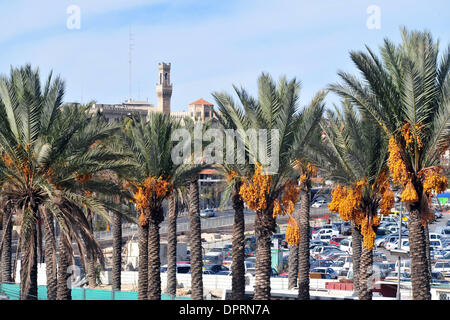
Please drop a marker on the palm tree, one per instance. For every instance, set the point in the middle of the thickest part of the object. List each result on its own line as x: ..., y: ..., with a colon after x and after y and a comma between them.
x: 192, y: 178
x: 277, y: 111
x: 45, y: 150
x: 362, y: 176
x: 172, y: 245
x: 6, y: 241
x: 407, y: 93
x: 195, y: 241
x: 151, y: 180
x: 233, y: 173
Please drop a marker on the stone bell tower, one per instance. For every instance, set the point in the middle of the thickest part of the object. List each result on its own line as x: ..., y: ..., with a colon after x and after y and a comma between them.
x: 164, y: 88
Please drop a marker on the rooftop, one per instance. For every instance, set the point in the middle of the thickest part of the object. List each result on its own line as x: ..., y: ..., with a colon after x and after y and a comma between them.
x: 202, y: 102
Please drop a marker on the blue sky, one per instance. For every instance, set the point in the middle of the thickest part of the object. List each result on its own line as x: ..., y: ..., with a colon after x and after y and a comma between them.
x: 211, y: 44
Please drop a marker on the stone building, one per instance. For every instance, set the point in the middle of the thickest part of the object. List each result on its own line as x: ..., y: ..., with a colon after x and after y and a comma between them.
x: 200, y: 110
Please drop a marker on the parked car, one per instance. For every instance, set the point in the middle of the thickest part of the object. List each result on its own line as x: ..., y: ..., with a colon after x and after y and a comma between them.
x: 405, y: 266
x: 325, y: 231
x: 438, y: 278
x: 445, y: 232
x: 331, y: 253
x: 325, y: 238
x: 319, y: 204
x: 321, y: 263
x: 346, y: 245
x: 395, y: 245
x: 342, y: 263
x: 213, y: 258
x: 442, y: 266
x: 393, y: 276
x: 181, y: 268
x: 329, y: 272
x: 346, y: 228
x: 248, y: 252
x: 336, y: 240
x: 227, y: 263
x: 448, y: 223
x: 379, y: 241
x: 214, y: 268
x: 317, y: 251
x: 207, y: 213
x: 435, y: 236
x: 390, y: 239
x: 436, y: 245
x: 382, y: 269
x: 379, y: 256
x: 441, y: 254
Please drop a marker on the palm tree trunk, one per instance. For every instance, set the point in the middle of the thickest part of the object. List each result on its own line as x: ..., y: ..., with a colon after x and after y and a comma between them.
x: 91, y: 267
x: 64, y: 291
x: 154, y: 260
x: 356, y: 256
x: 117, y: 252
x: 28, y: 269
x: 172, y: 247
x: 293, y: 267
x: 143, y: 263
x: 6, y: 247
x: 264, y: 228
x: 303, y: 249
x: 419, y: 266
x: 427, y: 243
x: 238, y: 257
x: 195, y: 242
x: 365, y: 274
x: 50, y: 257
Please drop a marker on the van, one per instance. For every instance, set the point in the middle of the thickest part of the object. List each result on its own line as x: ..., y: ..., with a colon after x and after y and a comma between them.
x: 436, y: 244
x: 435, y: 236
x: 405, y: 266
x: 213, y: 258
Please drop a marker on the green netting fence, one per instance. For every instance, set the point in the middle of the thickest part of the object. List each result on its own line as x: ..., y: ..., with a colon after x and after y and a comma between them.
x: 12, y: 291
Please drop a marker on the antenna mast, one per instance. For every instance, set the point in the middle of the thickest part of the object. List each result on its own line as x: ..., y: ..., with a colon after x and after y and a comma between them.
x: 131, y: 47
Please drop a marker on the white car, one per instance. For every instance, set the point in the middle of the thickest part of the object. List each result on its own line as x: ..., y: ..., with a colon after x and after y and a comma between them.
x: 346, y: 245
x: 442, y: 267
x: 342, y: 263
x: 207, y: 213
x: 317, y: 251
x: 436, y: 244
x: 394, y: 245
x: 405, y: 266
x: 319, y: 204
x: 435, y: 236
x: 330, y: 232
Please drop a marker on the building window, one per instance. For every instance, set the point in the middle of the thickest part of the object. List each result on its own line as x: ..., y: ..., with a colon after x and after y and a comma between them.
x: 199, y: 115
x: 206, y: 114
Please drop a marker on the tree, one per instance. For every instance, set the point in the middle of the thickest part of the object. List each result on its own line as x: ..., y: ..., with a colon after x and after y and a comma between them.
x: 6, y: 241
x: 227, y: 110
x: 362, y: 181
x: 276, y: 111
x: 407, y: 93
x: 46, y: 149
x: 151, y: 180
